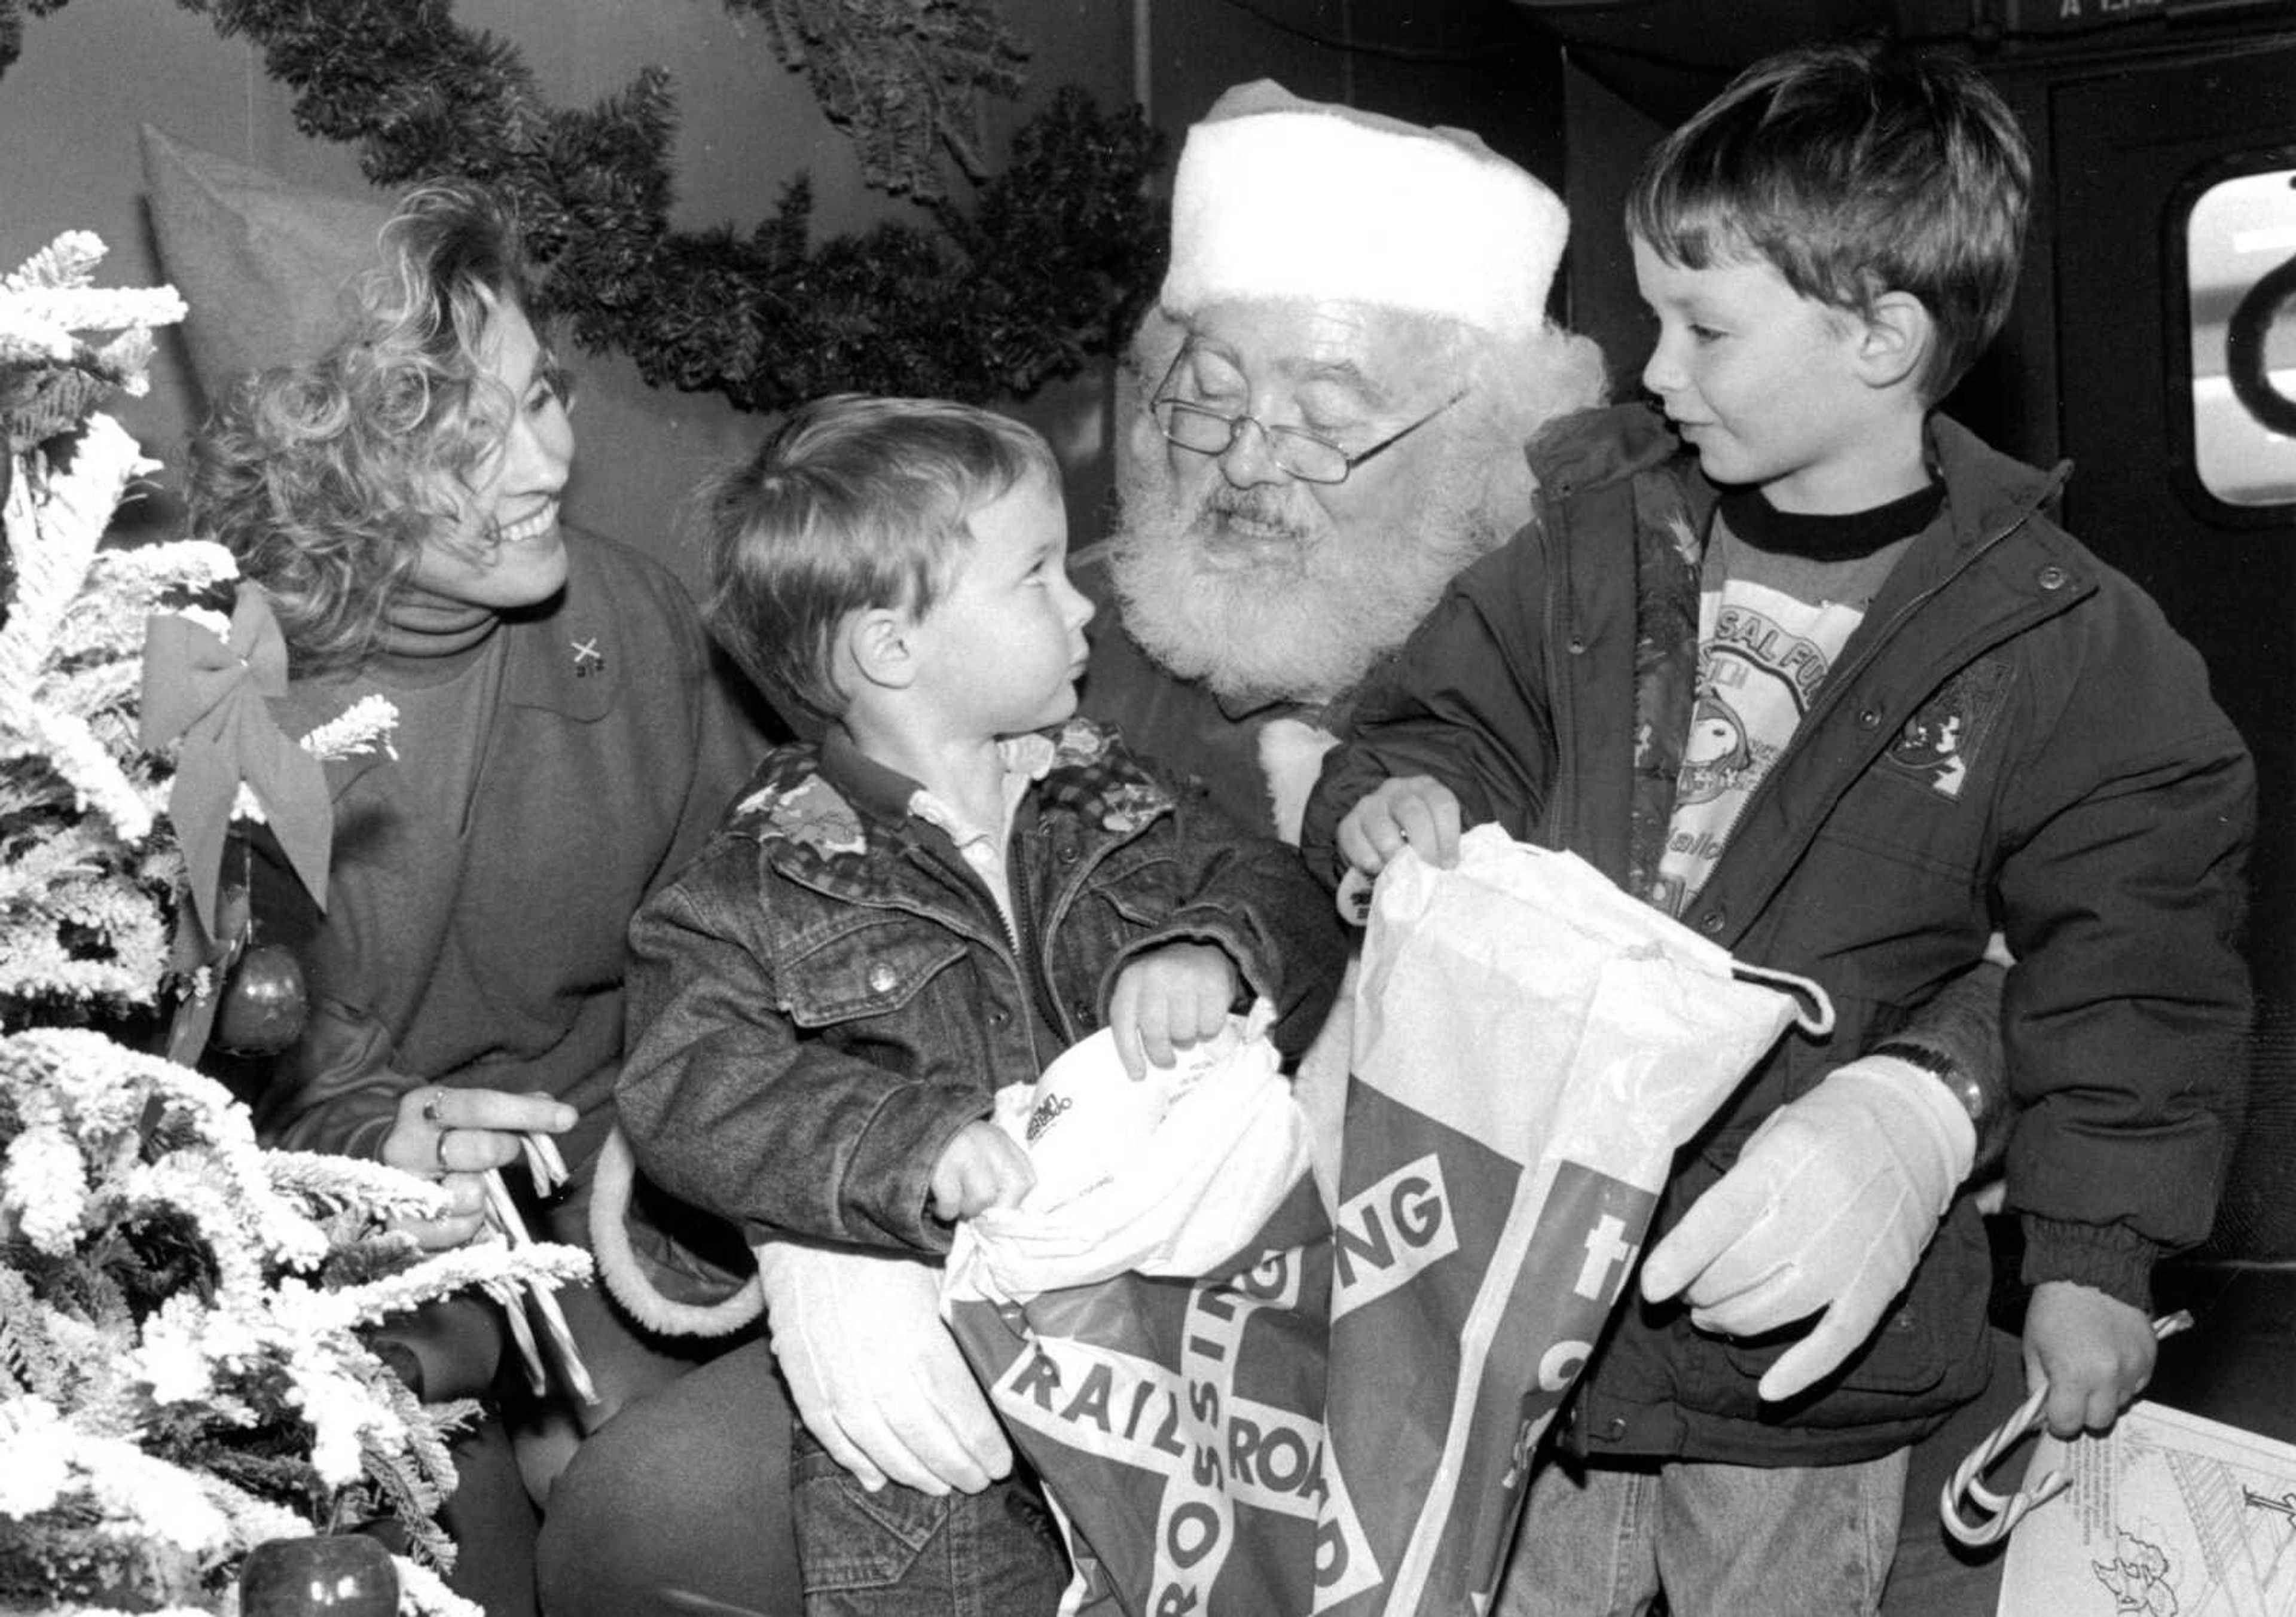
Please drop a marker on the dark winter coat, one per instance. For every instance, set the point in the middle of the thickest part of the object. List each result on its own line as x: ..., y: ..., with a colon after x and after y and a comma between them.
x: 2013, y: 739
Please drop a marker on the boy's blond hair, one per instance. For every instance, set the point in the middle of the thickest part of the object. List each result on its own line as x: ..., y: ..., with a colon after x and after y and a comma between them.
x: 1854, y: 170
x: 852, y: 503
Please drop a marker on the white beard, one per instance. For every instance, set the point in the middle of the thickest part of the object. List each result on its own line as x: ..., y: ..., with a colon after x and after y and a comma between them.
x: 1303, y: 622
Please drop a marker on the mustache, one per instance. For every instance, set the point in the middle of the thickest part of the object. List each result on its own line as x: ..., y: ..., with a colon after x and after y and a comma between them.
x: 1260, y: 506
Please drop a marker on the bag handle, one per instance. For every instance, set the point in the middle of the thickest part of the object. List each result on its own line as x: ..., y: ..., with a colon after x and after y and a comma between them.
x: 1817, y: 1017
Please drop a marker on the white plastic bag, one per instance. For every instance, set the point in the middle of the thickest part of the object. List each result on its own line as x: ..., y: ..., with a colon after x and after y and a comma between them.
x: 1167, y: 1174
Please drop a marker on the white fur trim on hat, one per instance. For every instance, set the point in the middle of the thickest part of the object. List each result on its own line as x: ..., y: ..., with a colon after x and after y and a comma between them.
x: 1277, y: 197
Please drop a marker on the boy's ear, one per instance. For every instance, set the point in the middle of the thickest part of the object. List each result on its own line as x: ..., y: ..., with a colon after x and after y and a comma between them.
x: 1894, y: 340
x: 878, y: 645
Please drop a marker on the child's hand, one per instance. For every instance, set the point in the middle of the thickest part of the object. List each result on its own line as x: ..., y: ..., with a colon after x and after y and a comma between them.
x: 981, y: 1167
x: 2096, y: 1351
x: 1417, y: 809
x: 1168, y: 1000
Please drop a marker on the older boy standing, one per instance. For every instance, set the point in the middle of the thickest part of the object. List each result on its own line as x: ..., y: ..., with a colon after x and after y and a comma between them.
x: 1823, y: 680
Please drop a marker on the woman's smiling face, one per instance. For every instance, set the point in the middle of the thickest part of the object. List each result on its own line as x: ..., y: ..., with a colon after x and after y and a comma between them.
x: 507, y: 552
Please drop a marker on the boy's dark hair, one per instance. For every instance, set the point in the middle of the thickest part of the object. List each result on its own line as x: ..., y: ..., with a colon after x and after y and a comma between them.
x: 851, y: 503
x: 1854, y: 170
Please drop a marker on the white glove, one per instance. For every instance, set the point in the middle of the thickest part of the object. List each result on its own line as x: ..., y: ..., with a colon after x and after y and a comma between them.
x: 876, y: 1374
x: 1829, y: 1207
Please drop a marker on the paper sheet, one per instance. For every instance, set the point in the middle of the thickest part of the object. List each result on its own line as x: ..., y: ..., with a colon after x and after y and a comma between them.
x: 2168, y: 1516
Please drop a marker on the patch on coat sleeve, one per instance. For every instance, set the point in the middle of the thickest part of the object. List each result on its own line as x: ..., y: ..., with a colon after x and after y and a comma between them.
x: 810, y: 814
x: 1943, y: 741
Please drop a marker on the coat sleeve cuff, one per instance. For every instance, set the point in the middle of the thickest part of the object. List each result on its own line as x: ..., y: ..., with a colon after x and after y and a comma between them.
x: 2114, y: 1261
x: 886, y: 1191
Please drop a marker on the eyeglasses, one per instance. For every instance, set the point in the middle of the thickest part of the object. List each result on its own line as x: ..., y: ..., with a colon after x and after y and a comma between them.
x: 1300, y: 455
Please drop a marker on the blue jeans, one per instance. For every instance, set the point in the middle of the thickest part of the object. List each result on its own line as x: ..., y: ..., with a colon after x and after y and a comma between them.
x: 1717, y: 1541
x: 902, y: 1553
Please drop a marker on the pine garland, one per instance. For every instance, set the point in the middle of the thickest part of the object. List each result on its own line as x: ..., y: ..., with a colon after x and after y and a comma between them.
x: 1053, y: 263
x: 903, y: 77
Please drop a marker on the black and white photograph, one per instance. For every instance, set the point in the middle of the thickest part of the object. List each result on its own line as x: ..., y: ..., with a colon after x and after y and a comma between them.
x: 1148, y: 808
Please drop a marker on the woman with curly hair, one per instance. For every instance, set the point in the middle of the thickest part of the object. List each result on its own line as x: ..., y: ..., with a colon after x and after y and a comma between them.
x: 562, y: 745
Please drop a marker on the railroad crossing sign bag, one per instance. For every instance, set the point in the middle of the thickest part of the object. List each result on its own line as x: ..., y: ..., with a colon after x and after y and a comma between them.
x: 1335, y: 1414
x: 1532, y: 1048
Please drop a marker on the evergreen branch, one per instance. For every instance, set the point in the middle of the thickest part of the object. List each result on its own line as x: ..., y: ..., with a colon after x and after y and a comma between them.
x: 1052, y: 263
x: 902, y: 78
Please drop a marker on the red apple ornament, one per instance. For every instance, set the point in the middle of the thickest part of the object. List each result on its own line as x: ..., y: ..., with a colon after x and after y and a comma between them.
x: 332, y: 1575
x: 264, y: 1003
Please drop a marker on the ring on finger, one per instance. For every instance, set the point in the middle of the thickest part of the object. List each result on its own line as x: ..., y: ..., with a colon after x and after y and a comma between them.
x: 439, y: 1149
x: 432, y: 1103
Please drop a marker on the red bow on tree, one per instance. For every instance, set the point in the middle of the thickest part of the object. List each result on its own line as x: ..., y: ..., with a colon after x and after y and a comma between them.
x: 212, y: 694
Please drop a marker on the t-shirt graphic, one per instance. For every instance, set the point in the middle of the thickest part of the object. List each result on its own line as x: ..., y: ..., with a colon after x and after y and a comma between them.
x: 1762, y: 655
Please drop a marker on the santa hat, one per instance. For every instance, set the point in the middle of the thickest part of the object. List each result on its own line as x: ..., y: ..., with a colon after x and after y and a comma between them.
x: 1278, y: 197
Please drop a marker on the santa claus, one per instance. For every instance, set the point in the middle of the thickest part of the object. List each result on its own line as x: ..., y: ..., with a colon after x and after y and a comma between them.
x: 1327, y: 416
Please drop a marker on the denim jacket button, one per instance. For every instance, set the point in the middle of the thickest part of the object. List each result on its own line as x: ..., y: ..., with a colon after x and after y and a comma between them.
x: 882, y: 978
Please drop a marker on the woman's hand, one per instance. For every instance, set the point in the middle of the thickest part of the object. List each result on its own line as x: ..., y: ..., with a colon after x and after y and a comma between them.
x: 455, y: 1136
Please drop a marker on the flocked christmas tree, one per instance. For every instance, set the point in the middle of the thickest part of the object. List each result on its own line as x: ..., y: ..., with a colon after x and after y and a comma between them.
x: 182, y: 1372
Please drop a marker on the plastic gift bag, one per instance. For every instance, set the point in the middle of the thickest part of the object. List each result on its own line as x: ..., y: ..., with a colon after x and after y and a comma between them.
x: 1532, y: 1048
x: 1165, y: 1174
x: 1334, y: 1413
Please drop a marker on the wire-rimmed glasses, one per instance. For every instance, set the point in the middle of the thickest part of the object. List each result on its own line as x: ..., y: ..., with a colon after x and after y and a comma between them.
x: 1297, y: 452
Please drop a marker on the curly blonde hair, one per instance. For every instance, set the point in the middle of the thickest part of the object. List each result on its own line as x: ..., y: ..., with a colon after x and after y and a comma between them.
x: 326, y: 478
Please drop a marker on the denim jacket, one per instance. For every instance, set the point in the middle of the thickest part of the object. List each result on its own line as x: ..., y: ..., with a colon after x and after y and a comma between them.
x: 828, y: 993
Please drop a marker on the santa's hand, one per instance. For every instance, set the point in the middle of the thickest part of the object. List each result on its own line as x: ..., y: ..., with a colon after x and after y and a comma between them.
x: 876, y: 1374
x: 1830, y: 1205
